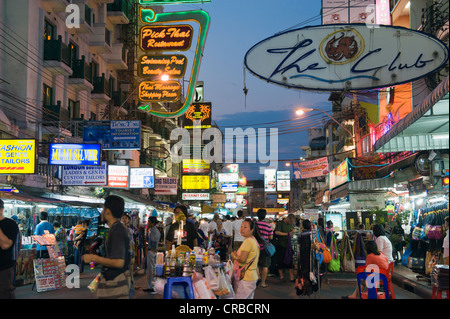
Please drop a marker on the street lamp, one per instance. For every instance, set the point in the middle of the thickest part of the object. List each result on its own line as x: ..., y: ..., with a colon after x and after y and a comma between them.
x: 302, y: 111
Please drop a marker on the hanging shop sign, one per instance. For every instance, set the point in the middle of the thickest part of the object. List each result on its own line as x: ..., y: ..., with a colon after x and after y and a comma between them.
x: 229, y: 187
x: 195, y: 196
x: 339, y: 175
x: 166, y: 2
x: 196, y: 166
x: 198, y: 115
x: 142, y: 177
x: 113, y: 135
x: 159, y: 91
x: 74, y: 154
x: 156, y: 65
x: 270, y: 180
x: 118, y: 176
x: 166, y: 185
x: 346, y: 57
x: 242, y: 190
x: 195, y: 182
x: 283, y: 181
x: 367, y: 201
x: 166, y: 38
x: 17, y: 156
x: 218, y: 198
x: 84, y: 175
x: 309, y: 169
x: 228, y: 177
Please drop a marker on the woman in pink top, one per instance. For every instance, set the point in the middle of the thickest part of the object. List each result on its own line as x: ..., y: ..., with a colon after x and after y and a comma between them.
x: 374, y: 257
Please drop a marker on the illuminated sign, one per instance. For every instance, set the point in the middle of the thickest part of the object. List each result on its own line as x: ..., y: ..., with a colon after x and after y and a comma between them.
x: 196, y: 182
x: 234, y: 168
x: 308, y: 169
x: 118, y: 176
x: 339, y: 175
x: 242, y: 190
x: 203, y: 20
x: 198, y: 116
x: 346, y: 57
x: 74, y: 154
x: 166, y: 38
x: 229, y: 187
x: 165, y: 2
x: 159, y: 91
x: 283, y: 181
x: 196, y: 166
x: 17, y: 156
x: 195, y: 196
x: 142, y: 177
x: 270, y: 180
x: 228, y: 177
x: 156, y: 65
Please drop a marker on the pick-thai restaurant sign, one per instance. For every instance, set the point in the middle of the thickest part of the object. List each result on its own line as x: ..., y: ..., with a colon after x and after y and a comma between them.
x: 84, y: 175
x: 166, y: 38
x: 118, y: 176
x: 346, y: 57
x: 17, y: 156
x: 159, y: 91
x: 156, y: 65
x: 309, y: 169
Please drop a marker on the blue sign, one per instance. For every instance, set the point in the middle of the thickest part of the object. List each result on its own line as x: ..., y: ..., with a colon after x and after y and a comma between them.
x: 229, y: 187
x: 113, y: 135
x: 74, y: 154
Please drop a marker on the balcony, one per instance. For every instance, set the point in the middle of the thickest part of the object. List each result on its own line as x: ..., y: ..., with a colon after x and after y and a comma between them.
x: 117, y: 60
x: 81, y: 79
x: 318, y: 143
x: 100, y: 40
x: 54, y: 113
x: 57, y: 57
x: 86, y: 19
x: 119, y: 11
x: 102, y: 89
x: 55, y: 5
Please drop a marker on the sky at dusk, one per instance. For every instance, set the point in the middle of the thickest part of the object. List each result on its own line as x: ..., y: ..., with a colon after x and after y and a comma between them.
x: 236, y: 26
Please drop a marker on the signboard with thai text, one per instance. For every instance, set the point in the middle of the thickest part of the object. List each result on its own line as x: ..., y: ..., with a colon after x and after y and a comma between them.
x: 309, y: 169
x: 195, y: 182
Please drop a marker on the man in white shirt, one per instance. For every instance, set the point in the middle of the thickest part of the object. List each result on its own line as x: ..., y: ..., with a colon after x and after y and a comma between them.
x: 227, y: 226
x: 238, y: 238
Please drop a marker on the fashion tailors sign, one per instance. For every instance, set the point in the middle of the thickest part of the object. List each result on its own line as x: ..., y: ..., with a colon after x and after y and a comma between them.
x: 346, y: 56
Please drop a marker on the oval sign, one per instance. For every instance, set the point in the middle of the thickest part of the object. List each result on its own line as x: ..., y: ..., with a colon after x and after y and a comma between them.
x: 352, y: 56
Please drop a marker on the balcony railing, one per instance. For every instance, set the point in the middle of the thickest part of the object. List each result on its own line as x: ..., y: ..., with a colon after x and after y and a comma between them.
x: 101, y: 85
x: 119, y: 12
x: 51, y: 113
x: 82, y: 70
x: 56, y: 50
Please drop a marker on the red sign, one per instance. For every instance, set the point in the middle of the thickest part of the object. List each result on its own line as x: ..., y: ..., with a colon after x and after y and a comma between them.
x: 118, y: 176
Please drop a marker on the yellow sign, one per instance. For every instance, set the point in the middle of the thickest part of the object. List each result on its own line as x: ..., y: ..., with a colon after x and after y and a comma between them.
x: 195, y: 166
x: 195, y: 182
x: 270, y: 210
x: 17, y: 156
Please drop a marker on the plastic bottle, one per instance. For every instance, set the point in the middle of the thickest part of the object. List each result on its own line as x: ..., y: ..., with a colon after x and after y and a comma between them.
x: 167, y: 265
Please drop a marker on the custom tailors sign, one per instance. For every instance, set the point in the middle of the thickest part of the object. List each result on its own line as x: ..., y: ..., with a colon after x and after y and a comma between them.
x: 346, y: 56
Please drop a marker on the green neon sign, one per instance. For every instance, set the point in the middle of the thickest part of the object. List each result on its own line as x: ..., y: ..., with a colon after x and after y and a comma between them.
x: 164, y: 2
x: 203, y: 19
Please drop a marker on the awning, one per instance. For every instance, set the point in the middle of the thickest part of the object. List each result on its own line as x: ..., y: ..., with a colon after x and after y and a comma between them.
x: 134, y: 198
x: 420, y: 130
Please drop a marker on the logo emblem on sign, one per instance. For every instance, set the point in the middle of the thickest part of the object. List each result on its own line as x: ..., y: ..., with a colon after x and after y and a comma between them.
x: 342, y: 46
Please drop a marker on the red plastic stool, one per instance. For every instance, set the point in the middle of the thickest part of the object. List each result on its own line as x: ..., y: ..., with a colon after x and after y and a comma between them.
x: 437, y: 293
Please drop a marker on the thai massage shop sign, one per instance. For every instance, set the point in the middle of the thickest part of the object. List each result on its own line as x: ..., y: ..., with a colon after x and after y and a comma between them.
x: 159, y: 91
x: 17, y: 156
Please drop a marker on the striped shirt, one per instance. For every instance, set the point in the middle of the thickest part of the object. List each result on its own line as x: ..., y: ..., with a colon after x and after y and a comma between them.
x: 265, y: 230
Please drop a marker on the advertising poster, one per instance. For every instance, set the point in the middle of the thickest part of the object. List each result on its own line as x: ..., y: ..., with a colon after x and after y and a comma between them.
x: 308, y: 169
x: 17, y: 156
x: 270, y: 180
x: 283, y: 181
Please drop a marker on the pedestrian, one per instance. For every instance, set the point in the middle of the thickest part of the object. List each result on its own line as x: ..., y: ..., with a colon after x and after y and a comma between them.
x: 445, y: 245
x: 125, y: 220
x: 167, y: 225
x: 305, y: 285
x: 283, y: 230
x: 79, y: 245
x: 41, y: 251
x: 237, y: 237
x: 61, y: 238
x: 329, y: 232
x: 247, y: 256
x: 397, y: 239
x: 8, y: 234
x: 383, y: 243
x: 115, y: 279
x: 228, y: 232
x: 375, y: 258
x: 188, y: 233
x: 212, y: 227
x: 153, y: 237
x: 16, y: 247
x: 266, y: 232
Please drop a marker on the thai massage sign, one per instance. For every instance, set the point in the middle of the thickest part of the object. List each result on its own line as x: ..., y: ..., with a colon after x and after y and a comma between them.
x: 156, y: 65
x: 159, y: 91
x: 166, y: 38
x: 346, y: 56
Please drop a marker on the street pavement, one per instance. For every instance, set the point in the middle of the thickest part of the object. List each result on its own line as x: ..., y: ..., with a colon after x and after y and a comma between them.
x: 333, y: 287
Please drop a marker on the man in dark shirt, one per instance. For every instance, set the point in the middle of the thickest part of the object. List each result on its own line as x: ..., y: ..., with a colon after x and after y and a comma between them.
x: 8, y: 234
x: 189, y: 236
x: 117, y: 258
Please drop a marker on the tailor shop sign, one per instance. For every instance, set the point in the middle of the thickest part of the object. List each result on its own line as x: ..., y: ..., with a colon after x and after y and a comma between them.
x: 17, y: 156
x: 346, y: 56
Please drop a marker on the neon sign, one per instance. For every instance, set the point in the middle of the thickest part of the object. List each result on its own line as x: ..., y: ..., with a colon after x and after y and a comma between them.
x: 159, y: 91
x: 74, y: 154
x: 166, y: 38
x: 157, y: 65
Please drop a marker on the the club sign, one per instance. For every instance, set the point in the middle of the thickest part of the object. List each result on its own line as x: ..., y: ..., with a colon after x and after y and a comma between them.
x: 353, y: 57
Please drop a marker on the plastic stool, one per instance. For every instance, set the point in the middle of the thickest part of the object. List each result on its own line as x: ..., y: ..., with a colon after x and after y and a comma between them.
x: 185, y: 281
x: 437, y: 293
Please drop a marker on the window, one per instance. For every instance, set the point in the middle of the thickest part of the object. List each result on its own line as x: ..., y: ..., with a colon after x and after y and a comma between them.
x: 49, y: 31
x: 74, y: 109
x: 47, y: 96
x: 95, y: 68
x: 73, y: 52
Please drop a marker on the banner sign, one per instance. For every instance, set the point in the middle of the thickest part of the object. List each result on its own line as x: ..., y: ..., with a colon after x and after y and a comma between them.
x: 74, y: 154
x: 166, y: 186
x: 309, y: 169
x: 196, y: 166
x: 339, y: 175
x: 166, y: 38
x: 142, y: 177
x: 157, y: 65
x: 118, y: 176
x: 113, y: 135
x: 198, y: 115
x: 196, y: 182
x: 17, y: 156
x: 195, y: 196
x: 84, y: 175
